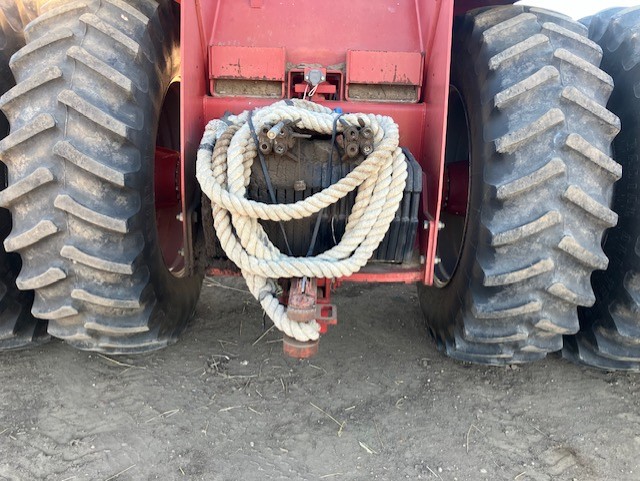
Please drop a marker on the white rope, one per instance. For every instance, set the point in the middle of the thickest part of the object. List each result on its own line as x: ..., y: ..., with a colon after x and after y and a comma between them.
x: 223, y: 169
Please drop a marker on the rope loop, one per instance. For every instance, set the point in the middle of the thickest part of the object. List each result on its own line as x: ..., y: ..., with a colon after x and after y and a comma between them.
x: 223, y: 169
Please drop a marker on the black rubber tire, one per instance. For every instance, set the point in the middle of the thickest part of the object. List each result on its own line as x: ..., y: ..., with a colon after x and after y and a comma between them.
x: 540, y: 182
x: 598, y: 23
x: 610, y: 331
x: 84, y: 115
x: 18, y: 328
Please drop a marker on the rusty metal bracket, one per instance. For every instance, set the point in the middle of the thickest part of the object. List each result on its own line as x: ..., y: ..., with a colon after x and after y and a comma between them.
x: 279, y: 138
x: 308, y: 299
x: 303, y: 295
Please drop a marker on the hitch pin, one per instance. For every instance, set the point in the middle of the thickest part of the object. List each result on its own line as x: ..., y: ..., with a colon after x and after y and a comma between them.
x: 296, y: 135
x: 276, y: 129
x: 291, y: 156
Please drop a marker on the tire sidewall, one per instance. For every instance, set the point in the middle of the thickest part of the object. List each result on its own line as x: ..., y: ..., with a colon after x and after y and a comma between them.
x: 176, y: 296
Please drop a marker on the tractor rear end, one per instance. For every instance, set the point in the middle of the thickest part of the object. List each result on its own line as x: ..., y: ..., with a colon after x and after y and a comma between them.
x: 336, y: 62
x: 302, y: 146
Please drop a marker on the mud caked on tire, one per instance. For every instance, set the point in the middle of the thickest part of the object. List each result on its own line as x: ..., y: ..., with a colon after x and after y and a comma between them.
x: 610, y: 331
x: 91, y: 84
x: 526, y: 84
x: 17, y: 327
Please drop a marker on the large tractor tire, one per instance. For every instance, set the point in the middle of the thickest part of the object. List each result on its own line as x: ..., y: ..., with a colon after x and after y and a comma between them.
x: 95, y: 94
x: 597, y: 24
x: 610, y: 331
x: 13, y: 16
x: 527, y: 90
x: 18, y: 328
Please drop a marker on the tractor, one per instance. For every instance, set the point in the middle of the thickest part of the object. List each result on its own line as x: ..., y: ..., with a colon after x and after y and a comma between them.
x: 484, y: 151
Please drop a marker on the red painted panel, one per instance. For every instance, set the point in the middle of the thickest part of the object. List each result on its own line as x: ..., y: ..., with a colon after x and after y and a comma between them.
x: 262, y: 63
x: 321, y: 33
x: 403, y: 68
x: 436, y: 98
x: 193, y: 88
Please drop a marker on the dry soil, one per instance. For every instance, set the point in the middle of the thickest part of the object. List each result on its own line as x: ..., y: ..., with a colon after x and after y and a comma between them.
x: 378, y: 402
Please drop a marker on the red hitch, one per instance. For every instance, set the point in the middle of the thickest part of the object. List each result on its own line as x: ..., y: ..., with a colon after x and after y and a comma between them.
x: 299, y: 349
x: 303, y: 295
x: 326, y: 313
x: 308, y: 299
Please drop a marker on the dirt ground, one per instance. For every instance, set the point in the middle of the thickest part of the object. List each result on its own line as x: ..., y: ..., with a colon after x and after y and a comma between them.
x: 378, y: 402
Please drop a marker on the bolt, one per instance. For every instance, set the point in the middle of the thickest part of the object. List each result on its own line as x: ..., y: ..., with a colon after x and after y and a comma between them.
x: 437, y: 260
x: 366, y: 132
x: 440, y: 225
x: 265, y: 147
x: 352, y: 149
x: 352, y: 133
x: 423, y: 259
x: 179, y: 217
x: 181, y: 252
x: 425, y: 225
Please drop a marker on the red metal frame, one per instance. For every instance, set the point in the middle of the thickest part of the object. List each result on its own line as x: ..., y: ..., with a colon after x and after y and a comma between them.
x: 323, y: 88
x: 403, y: 43
x: 367, y: 67
x: 247, y: 63
x: 167, y: 203
x: 405, y: 276
x: 388, y: 275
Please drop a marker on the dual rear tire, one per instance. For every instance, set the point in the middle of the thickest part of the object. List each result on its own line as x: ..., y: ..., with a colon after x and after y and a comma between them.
x: 93, y: 82
x: 609, y: 337
x: 18, y: 328
x: 526, y: 84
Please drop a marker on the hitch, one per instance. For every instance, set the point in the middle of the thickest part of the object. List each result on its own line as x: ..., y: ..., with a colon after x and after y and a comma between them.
x: 303, y: 295
x: 279, y: 138
x: 356, y: 139
x: 308, y: 299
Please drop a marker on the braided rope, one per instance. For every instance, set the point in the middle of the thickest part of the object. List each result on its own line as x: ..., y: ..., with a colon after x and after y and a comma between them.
x: 223, y: 169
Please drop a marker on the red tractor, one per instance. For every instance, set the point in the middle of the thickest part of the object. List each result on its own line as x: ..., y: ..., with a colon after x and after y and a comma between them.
x: 465, y: 146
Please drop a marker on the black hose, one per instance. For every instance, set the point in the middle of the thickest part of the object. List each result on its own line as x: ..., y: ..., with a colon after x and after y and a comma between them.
x: 267, y: 178
x: 316, y: 227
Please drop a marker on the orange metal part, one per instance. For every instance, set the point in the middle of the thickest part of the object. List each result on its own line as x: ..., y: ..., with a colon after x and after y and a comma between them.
x: 299, y: 349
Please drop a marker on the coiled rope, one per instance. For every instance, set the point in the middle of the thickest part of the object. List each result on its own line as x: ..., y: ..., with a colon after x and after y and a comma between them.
x: 223, y: 169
